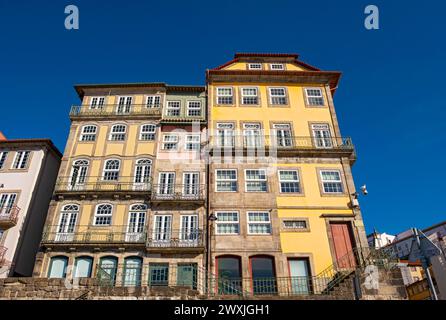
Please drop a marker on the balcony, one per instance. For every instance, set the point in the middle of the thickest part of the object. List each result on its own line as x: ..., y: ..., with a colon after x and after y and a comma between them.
x: 188, y: 193
x: 106, y: 236
x: 8, y: 217
x: 172, y: 240
x: 92, y: 235
x: 283, y: 146
x: 97, y: 185
x: 85, y: 112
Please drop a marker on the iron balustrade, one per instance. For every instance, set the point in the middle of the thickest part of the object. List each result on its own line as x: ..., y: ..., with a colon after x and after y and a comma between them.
x: 176, y: 238
x: 66, y: 184
x: 9, y: 216
x: 92, y: 234
x: 178, y: 192
x: 282, y: 143
x: 116, y: 110
x: 127, y: 234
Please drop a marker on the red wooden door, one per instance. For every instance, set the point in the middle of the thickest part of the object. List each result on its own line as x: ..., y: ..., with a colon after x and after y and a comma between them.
x: 343, y: 245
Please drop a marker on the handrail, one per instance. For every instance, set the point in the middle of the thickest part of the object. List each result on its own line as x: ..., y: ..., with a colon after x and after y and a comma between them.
x: 115, y: 109
x: 9, y: 215
x: 95, y: 183
x: 186, y: 192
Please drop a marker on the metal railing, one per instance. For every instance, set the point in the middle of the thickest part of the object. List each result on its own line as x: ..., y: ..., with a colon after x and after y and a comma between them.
x: 92, y: 234
x: 9, y: 216
x: 116, y: 110
x: 181, y: 238
x: 178, y: 192
x: 283, y: 143
x: 66, y: 184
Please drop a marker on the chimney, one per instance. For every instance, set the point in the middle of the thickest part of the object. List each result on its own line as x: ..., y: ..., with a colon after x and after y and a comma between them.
x: 2, y: 137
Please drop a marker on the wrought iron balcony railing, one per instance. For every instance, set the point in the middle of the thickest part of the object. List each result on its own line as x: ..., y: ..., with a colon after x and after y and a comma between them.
x: 181, y: 238
x: 103, y: 184
x: 8, y: 217
x: 86, y: 111
x: 274, y: 142
x: 178, y: 192
x: 94, y: 234
x: 129, y: 234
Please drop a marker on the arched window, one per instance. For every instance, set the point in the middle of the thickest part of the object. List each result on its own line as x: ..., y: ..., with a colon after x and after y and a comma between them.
x: 147, y: 132
x: 108, y: 267
x: 88, y: 133
x: 111, y: 170
x: 137, y: 221
x: 263, y: 275
x: 229, y: 273
x: 58, y: 267
x: 67, y: 223
x: 142, y: 171
x: 103, y: 214
x: 117, y: 132
x: 79, y: 172
x: 132, y: 272
x: 83, y: 267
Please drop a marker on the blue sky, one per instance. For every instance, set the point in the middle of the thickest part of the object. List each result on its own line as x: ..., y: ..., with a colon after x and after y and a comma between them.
x: 390, y: 98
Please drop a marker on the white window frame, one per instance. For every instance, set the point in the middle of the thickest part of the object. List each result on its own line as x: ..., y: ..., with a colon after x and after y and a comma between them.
x: 189, y: 141
x: 194, y: 108
x: 273, y: 65
x: 21, y: 160
x: 107, y: 216
x: 251, y: 180
x: 289, y: 181
x: 195, y: 188
x: 176, y: 108
x: 127, y: 105
x: 86, y: 136
x: 104, y: 170
x: 224, y: 96
x: 258, y: 136
x: 248, y: 223
x: 81, y: 177
x: 148, y: 133
x: 228, y: 134
x: 226, y: 180
x: 284, y: 96
x: 332, y: 181
x: 279, y: 130
x: 153, y: 104
x: 315, y: 97
x: 255, y: 66
x: 322, y: 141
x: 3, y: 157
x: 250, y: 96
x: 294, y: 227
x: 167, y: 186
x: 219, y: 222
x: 175, y: 143
x: 99, y: 102
x: 113, y: 135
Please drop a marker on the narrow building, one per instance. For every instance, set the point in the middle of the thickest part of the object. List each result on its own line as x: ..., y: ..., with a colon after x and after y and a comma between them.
x: 28, y: 171
x: 282, y: 195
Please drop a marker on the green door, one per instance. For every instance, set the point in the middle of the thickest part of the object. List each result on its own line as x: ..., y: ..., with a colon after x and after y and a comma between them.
x: 187, y: 275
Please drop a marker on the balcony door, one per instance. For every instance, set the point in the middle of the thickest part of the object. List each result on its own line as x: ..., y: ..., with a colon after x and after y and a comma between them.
x: 166, y: 183
x: 299, y: 276
x: 7, y: 201
x: 162, y: 229
x: 191, y: 184
x: 67, y: 223
x: 322, y: 136
x: 142, y: 174
x: 252, y: 135
x: 137, y: 222
x: 189, y: 229
x: 78, y: 175
x: 124, y: 105
x: 283, y: 135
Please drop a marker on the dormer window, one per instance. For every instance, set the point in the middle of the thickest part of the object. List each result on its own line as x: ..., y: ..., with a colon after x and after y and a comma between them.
x: 254, y: 66
x: 277, y: 66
